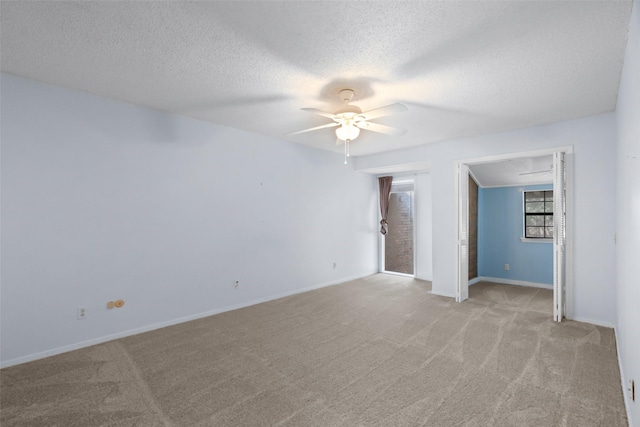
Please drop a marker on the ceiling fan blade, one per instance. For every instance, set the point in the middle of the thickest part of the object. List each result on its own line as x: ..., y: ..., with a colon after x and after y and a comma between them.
x: 320, y: 112
x: 328, y: 125
x: 376, y: 127
x: 384, y: 111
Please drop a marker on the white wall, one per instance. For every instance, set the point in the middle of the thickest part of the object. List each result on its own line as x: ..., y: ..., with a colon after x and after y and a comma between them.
x: 104, y: 200
x: 424, y: 232
x: 628, y: 217
x: 593, y: 139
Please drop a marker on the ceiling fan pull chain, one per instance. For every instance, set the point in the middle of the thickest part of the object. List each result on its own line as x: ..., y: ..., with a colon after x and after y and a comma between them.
x: 345, y: 152
x: 348, y: 141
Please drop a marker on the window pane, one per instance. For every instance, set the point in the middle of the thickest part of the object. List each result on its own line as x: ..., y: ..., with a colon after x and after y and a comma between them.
x: 538, y: 208
x: 535, y: 220
x: 548, y: 232
x: 548, y: 206
x: 535, y: 232
x: 534, y: 207
x: 534, y: 196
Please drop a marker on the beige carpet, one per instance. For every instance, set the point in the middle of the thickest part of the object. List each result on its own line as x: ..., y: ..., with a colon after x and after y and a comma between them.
x: 379, y: 351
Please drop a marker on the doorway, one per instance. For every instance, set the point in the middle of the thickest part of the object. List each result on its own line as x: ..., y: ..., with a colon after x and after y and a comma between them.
x: 398, y: 243
x: 559, y: 172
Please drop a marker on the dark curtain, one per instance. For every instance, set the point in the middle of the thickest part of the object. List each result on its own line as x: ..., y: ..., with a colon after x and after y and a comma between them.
x: 384, y: 182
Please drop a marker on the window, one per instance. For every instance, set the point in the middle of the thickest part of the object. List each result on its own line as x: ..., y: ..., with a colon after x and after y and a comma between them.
x: 538, y: 214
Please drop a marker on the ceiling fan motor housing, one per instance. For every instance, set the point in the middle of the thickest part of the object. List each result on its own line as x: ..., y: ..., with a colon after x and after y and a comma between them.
x: 348, y: 110
x: 346, y: 94
x: 350, y: 119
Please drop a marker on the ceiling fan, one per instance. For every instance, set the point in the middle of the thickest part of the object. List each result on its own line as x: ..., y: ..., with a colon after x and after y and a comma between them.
x: 350, y: 119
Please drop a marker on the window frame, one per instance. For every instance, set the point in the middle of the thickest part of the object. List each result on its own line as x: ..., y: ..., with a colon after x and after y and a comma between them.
x: 534, y: 239
x: 401, y: 184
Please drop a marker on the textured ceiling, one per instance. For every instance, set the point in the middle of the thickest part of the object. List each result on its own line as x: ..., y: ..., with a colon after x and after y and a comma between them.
x: 517, y: 171
x: 462, y: 68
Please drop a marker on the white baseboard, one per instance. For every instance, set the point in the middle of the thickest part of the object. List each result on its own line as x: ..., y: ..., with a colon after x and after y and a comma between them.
x: 594, y: 322
x: 111, y: 337
x: 625, y: 390
x: 443, y: 294
x: 395, y: 273
x: 510, y: 282
x: 537, y: 285
x: 498, y: 280
x: 474, y: 281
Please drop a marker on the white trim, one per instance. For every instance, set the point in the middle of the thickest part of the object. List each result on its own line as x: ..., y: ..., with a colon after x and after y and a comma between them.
x: 456, y: 232
x: 402, y: 179
x: 414, y: 226
x: 593, y: 322
x: 545, y: 182
x: 462, y: 231
x: 475, y: 280
x: 404, y: 168
x: 534, y: 240
x: 381, y: 246
x: 569, y: 230
x: 395, y: 273
x: 559, y: 236
x: 516, y: 155
x: 443, y: 294
x: 625, y: 390
x: 524, y: 239
x: 474, y: 178
x: 118, y: 335
x: 512, y: 282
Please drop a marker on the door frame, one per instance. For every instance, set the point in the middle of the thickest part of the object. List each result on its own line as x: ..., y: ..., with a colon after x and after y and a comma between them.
x: 381, y: 241
x: 569, y: 217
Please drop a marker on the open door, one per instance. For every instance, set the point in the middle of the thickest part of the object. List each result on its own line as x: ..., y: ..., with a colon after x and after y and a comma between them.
x: 399, y: 240
x: 559, y: 235
x: 563, y: 292
x: 463, y: 233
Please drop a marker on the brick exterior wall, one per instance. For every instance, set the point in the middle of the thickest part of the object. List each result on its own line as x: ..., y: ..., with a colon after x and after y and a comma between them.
x: 399, y: 239
x: 473, y: 229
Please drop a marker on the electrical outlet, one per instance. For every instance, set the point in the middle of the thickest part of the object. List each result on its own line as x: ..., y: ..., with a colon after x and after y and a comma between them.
x: 236, y: 283
x: 506, y: 267
x: 82, y: 313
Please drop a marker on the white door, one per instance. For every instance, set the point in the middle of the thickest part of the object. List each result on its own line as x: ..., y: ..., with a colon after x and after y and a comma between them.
x: 559, y: 235
x: 463, y: 233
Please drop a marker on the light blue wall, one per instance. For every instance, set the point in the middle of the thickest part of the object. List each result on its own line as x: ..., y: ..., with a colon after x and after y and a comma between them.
x: 499, y: 233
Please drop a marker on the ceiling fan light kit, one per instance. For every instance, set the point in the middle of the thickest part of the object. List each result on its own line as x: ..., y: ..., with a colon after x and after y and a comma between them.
x: 350, y: 119
x: 347, y: 131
